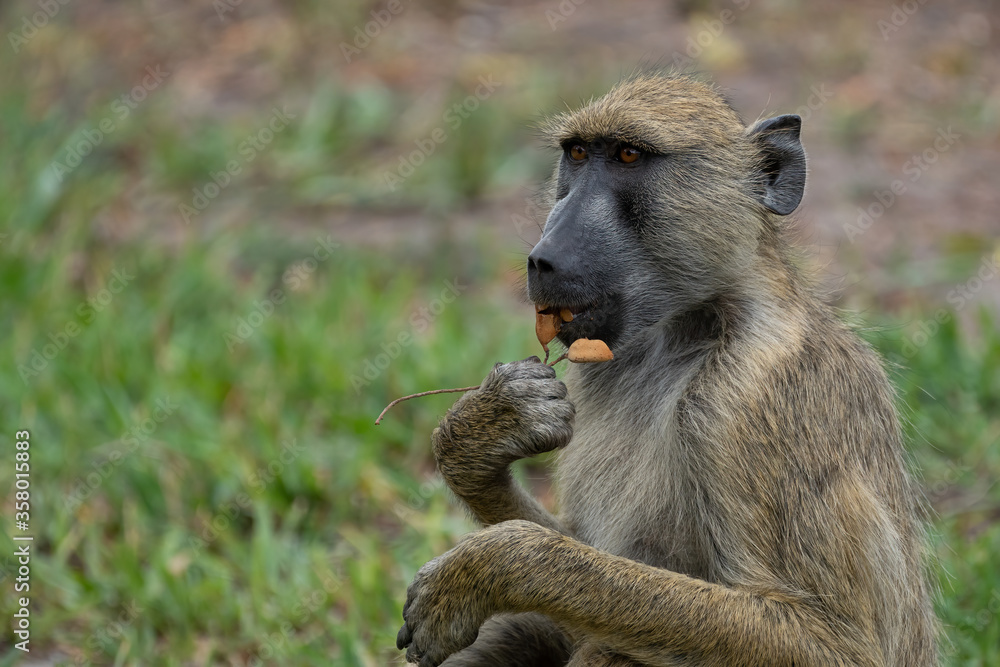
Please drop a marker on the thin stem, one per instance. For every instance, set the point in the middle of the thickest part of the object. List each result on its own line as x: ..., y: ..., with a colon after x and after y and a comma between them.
x: 423, y: 393
x: 448, y: 391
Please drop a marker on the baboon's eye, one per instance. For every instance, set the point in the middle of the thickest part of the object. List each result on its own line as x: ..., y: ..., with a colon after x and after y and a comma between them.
x: 628, y: 154
x: 578, y: 152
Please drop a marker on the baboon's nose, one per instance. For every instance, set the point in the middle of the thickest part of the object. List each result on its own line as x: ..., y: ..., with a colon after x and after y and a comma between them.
x: 539, y: 264
x: 551, y: 263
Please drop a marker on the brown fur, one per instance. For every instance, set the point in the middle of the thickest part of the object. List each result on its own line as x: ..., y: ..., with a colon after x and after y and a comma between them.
x: 733, y: 486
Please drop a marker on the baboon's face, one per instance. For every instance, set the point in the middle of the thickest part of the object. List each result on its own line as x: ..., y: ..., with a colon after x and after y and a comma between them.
x: 590, y: 253
x: 659, y: 201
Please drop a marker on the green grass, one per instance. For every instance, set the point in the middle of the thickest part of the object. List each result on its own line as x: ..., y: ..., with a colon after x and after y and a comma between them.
x: 266, y: 507
x: 950, y: 390
x: 219, y: 489
x: 207, y: 484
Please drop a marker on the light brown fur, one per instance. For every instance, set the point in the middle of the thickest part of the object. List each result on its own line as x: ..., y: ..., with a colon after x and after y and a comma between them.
x: 733, y: 487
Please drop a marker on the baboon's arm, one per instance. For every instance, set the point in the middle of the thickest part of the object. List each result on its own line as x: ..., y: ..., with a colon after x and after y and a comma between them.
x: 654, y: 616
x: 505, y: 500
x: 520, y: 410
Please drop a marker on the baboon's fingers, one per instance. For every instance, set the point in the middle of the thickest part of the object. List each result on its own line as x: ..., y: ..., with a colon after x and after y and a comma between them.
x: 532, y: 367
x: 554, y: 437
x: 547, y: 389
x: 518, y: 370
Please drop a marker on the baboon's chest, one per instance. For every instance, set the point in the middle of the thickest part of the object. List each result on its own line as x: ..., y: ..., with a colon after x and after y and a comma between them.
x: 625, y: 490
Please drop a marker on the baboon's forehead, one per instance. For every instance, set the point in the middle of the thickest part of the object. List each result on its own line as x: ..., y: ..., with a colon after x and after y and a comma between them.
x: 657, y: 114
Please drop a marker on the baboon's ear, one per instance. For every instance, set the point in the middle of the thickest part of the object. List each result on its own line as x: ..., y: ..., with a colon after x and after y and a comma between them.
x: 783, y: 168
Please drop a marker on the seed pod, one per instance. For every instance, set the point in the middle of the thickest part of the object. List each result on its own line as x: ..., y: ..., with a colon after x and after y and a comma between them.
x: 585, y: 350
x: 547, y: 325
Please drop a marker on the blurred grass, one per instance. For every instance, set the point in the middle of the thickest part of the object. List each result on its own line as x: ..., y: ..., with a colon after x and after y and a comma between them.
x: 266, y: 513
x: 207, y: 484
x: 267, y: 510
x: 950, y: 393
x: 266, y: 477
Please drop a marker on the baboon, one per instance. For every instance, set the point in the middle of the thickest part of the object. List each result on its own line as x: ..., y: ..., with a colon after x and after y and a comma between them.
x: 733, y: 485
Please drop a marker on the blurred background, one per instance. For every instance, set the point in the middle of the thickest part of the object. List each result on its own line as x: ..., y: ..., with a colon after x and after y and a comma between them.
x: 233, y: 231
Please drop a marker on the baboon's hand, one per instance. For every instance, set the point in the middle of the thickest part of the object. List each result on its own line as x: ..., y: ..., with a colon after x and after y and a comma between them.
x: 453, y: 595
x: 519, y: 411
x: 438, y: 620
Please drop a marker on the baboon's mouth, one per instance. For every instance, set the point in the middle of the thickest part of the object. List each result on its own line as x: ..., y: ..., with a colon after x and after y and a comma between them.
x: 584, y: 320
x: 574, y: 311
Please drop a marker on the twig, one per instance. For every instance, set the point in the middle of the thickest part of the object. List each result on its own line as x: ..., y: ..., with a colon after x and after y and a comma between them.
x: 423, y: 393
x: 447, y: 391
x: 565, y: 355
